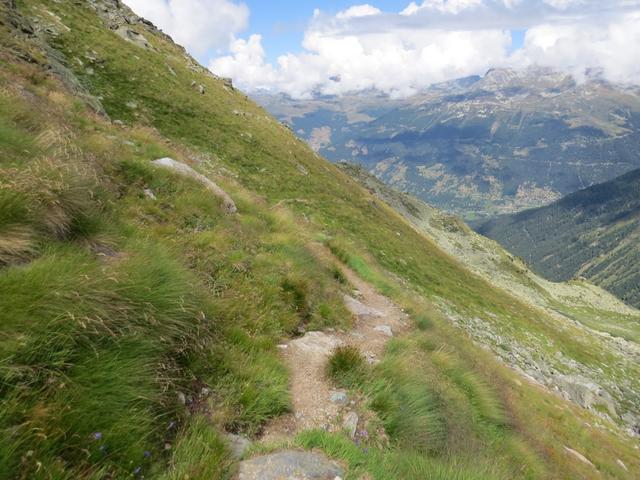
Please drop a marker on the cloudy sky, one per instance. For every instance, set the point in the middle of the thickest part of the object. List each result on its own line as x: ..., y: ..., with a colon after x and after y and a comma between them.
x: 337, y: 46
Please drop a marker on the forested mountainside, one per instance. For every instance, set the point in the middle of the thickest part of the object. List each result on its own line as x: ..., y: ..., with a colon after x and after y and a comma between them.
x: 479, y: 146
x: 166, y: 246
x: 593, y: 233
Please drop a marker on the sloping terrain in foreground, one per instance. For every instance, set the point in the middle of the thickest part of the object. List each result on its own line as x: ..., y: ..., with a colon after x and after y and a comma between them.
x: 143, y: 307
x: 593, y: 233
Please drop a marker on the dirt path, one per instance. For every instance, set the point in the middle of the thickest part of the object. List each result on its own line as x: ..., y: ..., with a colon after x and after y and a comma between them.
x: 316, y: 403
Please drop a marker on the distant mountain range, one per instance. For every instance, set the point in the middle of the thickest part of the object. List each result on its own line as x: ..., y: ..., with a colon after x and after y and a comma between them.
x: 593, y: 233
x: 479, y: 146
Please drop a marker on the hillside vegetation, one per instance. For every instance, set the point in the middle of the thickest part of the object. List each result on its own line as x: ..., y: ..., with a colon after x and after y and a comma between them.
x: 592, y: 233
x: 140, y: 320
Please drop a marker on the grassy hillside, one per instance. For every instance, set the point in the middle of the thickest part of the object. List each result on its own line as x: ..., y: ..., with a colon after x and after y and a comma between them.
x: 576, y: 300
x: 592, y: 233
x: 139, y: 322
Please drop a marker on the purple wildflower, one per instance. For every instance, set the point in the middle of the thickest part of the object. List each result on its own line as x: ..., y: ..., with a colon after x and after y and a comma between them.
x: 147, y: 454
x: 137, y: 471
x: 97, y: 435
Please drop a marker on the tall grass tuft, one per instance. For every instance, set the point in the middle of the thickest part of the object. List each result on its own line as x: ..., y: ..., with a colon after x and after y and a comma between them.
x: 481, y: 396
x: 346, y: 366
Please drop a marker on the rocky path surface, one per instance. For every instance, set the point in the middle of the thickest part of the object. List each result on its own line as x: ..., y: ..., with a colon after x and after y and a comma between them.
x: 316, y: 403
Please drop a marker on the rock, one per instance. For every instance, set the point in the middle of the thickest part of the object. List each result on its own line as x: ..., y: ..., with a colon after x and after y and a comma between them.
x: 149, y: 194
x: 340, y: 397
x: 370, y: 357
x: 201, y: 89
x: 578, y: 456
x: 586, y: 393
x: 119, y: 123
x: 622, y: 465
x: 302, y: 169
x: 237, y: 444
x: 384, y: 329
x: 350, y: 423
x: 132, y: 36
x: 359, y: 309
x: 132, y: 105
x: 187, y: 171
x: 182, y: 398
x: 316, y: 343
x: 290, y: 464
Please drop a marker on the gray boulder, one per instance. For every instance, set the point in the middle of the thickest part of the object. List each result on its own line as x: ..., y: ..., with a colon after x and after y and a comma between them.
x: 187, y: 171
x: 290, y: 465
x: 586, y: 393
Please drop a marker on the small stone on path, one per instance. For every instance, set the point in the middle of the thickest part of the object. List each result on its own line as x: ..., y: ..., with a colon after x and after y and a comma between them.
x: 350, y: 423
x: 359, y: 309
x: 340, y: 397
x: 385, y: 329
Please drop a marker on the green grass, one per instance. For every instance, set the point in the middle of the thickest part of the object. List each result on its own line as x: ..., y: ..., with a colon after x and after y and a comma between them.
x: 346, y: 366
x: 397, y: 464
x: 199, y: 453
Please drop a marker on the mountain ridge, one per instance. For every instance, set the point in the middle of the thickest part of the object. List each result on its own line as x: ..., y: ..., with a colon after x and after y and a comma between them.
x: 480, y: 146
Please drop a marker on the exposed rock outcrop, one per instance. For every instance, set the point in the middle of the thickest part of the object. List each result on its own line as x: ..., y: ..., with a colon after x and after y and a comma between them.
x: 290, y: 464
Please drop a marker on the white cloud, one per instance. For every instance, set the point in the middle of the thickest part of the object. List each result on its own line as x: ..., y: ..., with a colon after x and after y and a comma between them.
x: 199, y: 25
x: 563, y: 4
x: 609, y: 47
x: 397, y: 62
x: 443, y: 6
x: 359, y: 11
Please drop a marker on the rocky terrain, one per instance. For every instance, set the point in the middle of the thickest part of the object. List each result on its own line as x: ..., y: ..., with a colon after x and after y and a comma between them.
x: 479, y: 146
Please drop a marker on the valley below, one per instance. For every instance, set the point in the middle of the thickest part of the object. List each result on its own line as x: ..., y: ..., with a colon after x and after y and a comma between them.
x: 479, y: 146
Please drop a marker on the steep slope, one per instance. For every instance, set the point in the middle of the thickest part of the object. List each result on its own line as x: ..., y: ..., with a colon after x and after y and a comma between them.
x: 140, y: 319
x: 592, y: 233
x: 578, y: 300
x: 481, y: 145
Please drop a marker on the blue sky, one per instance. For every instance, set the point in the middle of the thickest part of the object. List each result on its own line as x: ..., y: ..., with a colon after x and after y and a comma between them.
x: 282, y: 23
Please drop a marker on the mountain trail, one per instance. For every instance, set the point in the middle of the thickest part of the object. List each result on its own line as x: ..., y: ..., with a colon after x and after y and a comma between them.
x: 316, y: 404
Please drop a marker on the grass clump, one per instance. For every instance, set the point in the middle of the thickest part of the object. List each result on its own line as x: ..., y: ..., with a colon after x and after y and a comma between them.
x: 346, y: 366
x: 381, y: 464
x: 200, y: 452
x: 411, y: 414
